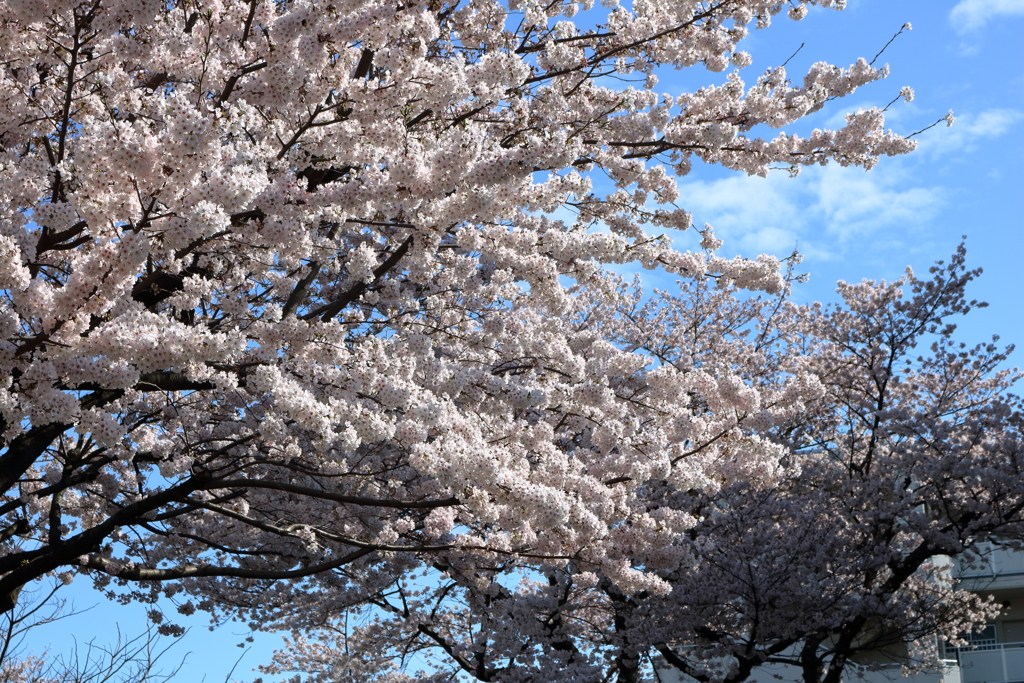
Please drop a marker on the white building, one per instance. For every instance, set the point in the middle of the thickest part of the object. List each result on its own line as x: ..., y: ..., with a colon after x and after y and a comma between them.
x: 996, y: 655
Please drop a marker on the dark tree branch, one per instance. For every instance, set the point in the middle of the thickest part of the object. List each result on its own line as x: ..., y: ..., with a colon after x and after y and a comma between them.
x: 364, y: 65
x: 229, y: 86
x: 299, y: 293
x: 328, y: 495
x: 197, y: 571
x: 328, y: 311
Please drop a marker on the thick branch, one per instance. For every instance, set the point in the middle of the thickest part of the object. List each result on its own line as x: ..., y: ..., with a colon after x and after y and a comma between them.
x: 152, y: 288
x: 23, y: 450
x: 365, y: 62
x: 681, y: 664
x: 332, y: 309
x: 464, y: 663
x: 233, y: 81
x: 22, y: 567
x: 328, y: 495
x: 300, y: 290
x: 51, y: 241
x: 197, y: 571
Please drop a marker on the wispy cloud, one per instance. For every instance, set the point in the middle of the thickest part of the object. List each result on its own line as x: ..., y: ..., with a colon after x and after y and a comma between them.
x: 968, y: 131
x: 970, y: 15
x: 825, y: 212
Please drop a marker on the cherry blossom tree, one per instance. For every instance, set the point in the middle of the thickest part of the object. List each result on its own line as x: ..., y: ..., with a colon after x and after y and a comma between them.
x: 299, y: 297
x: 913, y: 455
x: 900, y: 460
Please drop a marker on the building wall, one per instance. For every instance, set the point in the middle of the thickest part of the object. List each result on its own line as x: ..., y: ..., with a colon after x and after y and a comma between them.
x: 998, y: 652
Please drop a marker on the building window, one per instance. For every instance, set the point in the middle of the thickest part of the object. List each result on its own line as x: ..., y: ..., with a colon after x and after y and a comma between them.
x: 985, y: 639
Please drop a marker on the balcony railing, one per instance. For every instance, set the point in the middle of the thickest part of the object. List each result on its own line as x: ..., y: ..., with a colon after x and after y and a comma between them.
x: 991, y: 663
x: 893, y: 673
x: 997, y: 561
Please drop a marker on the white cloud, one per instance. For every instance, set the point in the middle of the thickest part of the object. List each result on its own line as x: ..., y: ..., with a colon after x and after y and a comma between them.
x: 970, y: 15
x: 968, y: 130
x: 824, y: 213
x: 832, y: 213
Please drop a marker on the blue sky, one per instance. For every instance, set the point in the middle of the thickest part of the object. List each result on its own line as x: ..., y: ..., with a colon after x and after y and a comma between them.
x: 966, y: 180
x: 909, y: 210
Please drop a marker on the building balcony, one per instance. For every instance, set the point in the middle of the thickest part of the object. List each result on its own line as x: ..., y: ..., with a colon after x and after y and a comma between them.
x: 1000, y: 568
x: 991, y: 663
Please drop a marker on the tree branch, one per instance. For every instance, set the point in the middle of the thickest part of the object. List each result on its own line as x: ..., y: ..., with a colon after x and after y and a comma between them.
x: 332, y: 309
x: 327, y: 495
x: 197, y: 571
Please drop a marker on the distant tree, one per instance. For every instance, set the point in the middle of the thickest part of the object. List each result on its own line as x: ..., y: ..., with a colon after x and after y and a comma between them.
x: 911, y: 458
x: 121, y: 660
